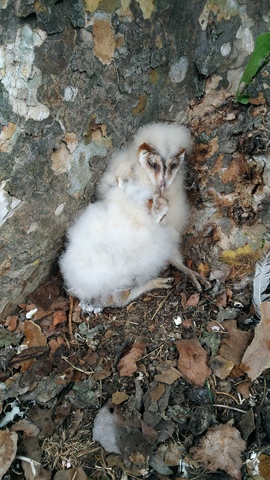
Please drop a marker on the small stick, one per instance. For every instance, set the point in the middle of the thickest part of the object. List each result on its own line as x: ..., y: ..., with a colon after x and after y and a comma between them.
x: 90, y: 372
x: 228, y: 395
x: 230, y: 408
x: 32, y: 463
x: 71, y: 305
x: 162, y: 303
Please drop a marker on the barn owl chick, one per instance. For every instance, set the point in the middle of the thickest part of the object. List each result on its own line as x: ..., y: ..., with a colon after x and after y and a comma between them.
x: 117, y: 248
x: 154, y: 161
x: 154, y: 158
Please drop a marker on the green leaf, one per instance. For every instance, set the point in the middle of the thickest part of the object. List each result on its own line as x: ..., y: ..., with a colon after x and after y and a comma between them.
x: 244, y: 99
x: 258, y: 60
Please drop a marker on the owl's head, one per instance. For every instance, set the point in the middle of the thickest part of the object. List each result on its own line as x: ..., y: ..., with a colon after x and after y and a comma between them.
x: 161, y: 149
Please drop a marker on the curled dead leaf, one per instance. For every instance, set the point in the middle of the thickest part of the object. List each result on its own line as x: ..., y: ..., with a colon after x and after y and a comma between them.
x: 192, y: 361
x: 58, y: 317
x: 235, y: 343
x: 221, y: 448
x: 168, y: 374
x: 157, y: 392
x: 127, y: 365
x: 33, y: 334
x: 119, y: 397
x: 193, y: 300
x: 252, y: 363
x: 8, y: 449
x: 71, y: 474
x: 28, y: 428
x: 221, y: 367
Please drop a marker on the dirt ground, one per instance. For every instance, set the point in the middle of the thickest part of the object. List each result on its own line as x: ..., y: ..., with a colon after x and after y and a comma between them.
x: 163, y: 378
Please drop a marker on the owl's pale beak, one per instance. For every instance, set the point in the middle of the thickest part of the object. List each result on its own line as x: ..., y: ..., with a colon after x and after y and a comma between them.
x: 162, y: 185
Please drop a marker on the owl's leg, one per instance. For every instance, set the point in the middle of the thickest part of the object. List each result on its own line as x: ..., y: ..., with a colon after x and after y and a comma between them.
x: 120, y: 298
x: 195, y: 277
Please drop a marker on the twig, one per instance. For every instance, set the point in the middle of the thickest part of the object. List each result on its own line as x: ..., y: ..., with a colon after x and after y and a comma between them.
x: 32, y: 463
x: 229, y: 408
x: 71, y: 305
x: 159, y: 348
x: 264, y: 393
x: 228, y: 395
x: 200, y: 474
x: 162, y: 303
x: 90, y: 372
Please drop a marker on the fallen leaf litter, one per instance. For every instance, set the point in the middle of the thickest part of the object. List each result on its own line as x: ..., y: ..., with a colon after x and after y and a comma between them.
x: 135, y: 365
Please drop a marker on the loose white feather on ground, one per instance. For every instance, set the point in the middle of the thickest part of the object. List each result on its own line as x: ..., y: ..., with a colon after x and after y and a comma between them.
x: 261, y: 282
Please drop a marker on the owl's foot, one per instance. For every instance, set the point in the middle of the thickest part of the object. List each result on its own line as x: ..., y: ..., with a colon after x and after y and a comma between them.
x: 89, y: 308
x: 197, y: 279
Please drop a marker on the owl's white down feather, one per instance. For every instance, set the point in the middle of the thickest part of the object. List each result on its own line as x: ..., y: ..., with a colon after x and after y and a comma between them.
x: 167, y: 139
x: 115, y: 244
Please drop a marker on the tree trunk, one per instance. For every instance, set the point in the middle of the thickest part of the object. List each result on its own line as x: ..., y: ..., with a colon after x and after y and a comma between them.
x: 77, y: 80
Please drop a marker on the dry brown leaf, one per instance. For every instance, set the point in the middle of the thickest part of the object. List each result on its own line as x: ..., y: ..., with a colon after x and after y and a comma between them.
x: 204, y: 269
x: 33, y: 335
x: 46, y: 294
x: 235, y: 343
x: 71, y: 474
x: 264, y: 466
x: 193, y: 300
x: 171, y: 454
x: 41, y: 314
x: 55, y: 343
x: 221, y: 448
x: 76, y: 421
x: 157, y: 392
x: 27, y: 307
x: 33, y: 338
x: 247, y: 424
x: 221, y: 300
x: 101, y: 373
x: 244, y: 389
x: 8, y: 449
x: 127, y: 365
x: 42, y: 417
x: 187, y: 323
x: 119, y: 397
x: 168, y: 374
x: 192, y: 361
x: 221, y: 367
x: 90, y: 358
x: 252, y: 362
x: 183, y: 299
x: 236, y: 372
x: 28, y: 428
x: 39, y: 473
x: 58, y: 317
x: 11, y: 322
x: 148, y: 432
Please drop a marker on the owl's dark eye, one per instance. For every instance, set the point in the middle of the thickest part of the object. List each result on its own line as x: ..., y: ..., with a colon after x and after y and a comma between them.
x: 174, y: 165
x: 153, y: 165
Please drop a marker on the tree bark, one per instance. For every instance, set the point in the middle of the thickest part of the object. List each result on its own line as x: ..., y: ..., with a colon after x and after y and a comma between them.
x: 77, y: 80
